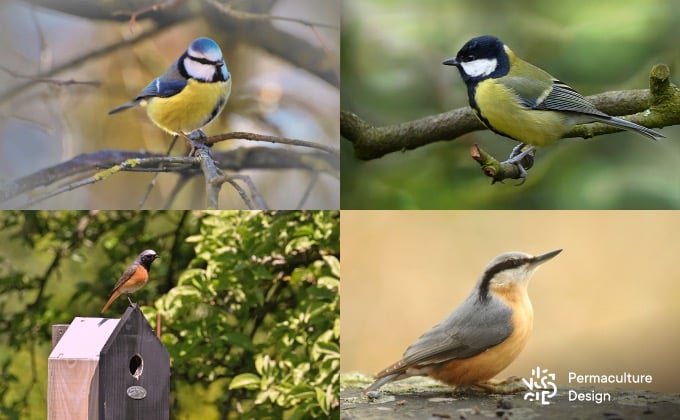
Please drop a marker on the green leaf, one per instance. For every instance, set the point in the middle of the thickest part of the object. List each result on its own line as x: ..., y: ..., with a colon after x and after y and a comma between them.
x: 245, y: 380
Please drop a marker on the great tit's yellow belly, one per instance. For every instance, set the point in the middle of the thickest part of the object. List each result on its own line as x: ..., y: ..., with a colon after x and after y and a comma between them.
x: 501, y: 111
x: 194, y: 107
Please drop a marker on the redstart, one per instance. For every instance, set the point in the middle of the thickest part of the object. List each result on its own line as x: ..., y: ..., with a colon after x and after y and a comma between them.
x: 133, y: 278
x: 482, y: 336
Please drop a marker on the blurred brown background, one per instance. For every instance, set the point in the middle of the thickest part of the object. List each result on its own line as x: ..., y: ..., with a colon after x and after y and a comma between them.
x: 607, y: 304
x: 43, y: 124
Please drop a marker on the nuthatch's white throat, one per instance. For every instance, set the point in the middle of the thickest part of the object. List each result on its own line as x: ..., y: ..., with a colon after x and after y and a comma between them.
x: 483, y: 335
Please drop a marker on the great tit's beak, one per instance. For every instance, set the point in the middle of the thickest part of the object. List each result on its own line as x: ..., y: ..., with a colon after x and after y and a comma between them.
x: 451, y: 62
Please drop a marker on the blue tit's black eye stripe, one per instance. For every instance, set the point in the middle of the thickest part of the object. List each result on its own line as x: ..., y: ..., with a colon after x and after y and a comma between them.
x: 218, y: 75
x: 205, y: 60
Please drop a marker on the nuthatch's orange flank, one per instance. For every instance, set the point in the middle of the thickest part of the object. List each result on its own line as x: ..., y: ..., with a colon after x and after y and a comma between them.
x: 483, y: 335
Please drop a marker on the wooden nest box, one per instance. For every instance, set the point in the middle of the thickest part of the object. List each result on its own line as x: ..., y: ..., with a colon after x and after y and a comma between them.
x: 104, y: 368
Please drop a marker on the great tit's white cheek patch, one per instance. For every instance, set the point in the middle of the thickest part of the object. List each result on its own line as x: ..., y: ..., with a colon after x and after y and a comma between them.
x: 199, y: 71
x: 480, y: 67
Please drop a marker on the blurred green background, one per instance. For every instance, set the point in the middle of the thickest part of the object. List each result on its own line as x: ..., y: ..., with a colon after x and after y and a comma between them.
x: 248, y: 300
x: 392, y: 73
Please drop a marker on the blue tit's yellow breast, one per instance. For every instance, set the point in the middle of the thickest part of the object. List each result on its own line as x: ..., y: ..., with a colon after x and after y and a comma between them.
x: 500, y: 110
x: 194, y: 107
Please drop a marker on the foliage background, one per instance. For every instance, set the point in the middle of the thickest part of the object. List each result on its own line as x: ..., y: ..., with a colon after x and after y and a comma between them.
x: 249, y: 302
x: 392, y: 73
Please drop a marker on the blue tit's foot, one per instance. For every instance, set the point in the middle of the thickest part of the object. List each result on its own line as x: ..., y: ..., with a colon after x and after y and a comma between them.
x: 196, y: 139
x: 510, y: 385
x: 521, y: 156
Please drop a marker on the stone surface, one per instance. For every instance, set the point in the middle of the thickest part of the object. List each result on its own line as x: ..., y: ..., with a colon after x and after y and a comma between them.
x: 422, y: 398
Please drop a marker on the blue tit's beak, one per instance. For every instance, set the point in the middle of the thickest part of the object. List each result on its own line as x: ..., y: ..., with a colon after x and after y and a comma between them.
x: 220, y: 63
x: 451, y: 62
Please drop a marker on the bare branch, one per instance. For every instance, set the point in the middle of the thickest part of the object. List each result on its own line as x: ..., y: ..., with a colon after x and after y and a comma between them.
x: 240, y: 135
x: 87, y: 169
x: 659, y: 107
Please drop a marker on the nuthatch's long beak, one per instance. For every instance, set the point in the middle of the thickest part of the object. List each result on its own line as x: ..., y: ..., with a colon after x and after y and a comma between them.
x: 540, y: 259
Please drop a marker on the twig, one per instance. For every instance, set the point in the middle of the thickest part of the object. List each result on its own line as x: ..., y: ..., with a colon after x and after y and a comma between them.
x: 155, y: 177
x: 57, y: 82
x: 308, y: 190
x: 243, y: 15
x: 240, y: 135
x: 165, y: 4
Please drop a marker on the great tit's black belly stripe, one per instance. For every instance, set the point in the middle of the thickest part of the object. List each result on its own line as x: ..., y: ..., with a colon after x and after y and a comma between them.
x: 472, y: 88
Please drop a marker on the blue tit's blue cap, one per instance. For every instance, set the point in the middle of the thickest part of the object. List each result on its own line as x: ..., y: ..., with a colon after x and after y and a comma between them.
x: 205, y: 48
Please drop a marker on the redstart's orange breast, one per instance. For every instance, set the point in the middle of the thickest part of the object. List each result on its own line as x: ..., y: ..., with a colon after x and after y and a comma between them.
x: 483, y: 335
x: 134, y: 277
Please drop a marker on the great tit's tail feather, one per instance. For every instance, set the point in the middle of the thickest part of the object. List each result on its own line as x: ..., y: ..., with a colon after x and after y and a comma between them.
x: 627, y: 125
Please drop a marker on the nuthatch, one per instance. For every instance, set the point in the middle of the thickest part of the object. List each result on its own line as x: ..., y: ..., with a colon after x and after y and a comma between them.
x: 483, y: 335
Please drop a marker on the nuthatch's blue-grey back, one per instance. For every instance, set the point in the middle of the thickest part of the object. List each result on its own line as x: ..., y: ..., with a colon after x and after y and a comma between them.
x: 191, y: 92
x: 483, y: 335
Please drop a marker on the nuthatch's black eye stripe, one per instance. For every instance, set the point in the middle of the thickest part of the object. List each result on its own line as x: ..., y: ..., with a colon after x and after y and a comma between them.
x: 492, y: 271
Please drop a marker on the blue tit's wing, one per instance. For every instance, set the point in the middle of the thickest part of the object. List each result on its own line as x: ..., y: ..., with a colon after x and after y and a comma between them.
x: 168, y: 84
x: 162, y: 88
x: 471, y: 329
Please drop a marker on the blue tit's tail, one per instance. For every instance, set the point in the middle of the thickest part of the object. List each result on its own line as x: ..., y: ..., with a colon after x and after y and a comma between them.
x: 627, y: 125
x: 125, y: 106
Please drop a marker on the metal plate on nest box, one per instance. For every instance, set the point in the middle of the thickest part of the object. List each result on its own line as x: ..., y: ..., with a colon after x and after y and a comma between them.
x: 136, y: 392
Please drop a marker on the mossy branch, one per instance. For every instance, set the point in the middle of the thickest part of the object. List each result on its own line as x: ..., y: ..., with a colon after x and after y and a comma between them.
x: 658, y: 106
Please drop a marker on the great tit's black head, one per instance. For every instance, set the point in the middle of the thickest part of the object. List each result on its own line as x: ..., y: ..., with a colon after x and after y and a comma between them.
x: 481, y: 58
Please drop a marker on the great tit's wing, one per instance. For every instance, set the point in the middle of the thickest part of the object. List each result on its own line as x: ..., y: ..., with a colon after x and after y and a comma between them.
x: 548, y: 94
x: 469, y: 330
x: 563, y: 98
x: 538, y: 90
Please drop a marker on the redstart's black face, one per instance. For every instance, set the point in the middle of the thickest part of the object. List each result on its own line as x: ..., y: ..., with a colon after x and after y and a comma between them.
x: 147, y: 257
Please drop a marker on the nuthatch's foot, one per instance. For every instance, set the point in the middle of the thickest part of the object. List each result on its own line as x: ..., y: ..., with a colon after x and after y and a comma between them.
x: 510, y: 385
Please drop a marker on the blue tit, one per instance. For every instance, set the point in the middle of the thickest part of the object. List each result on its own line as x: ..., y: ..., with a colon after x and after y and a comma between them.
x: 191, y: 92
x: 518, y: 100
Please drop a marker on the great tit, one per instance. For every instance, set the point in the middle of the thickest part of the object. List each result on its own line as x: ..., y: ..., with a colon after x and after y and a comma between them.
x: 191, y: 92
x: 518, y: 100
